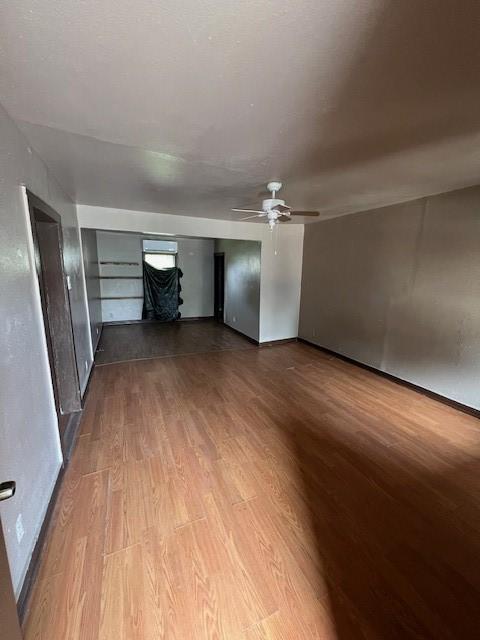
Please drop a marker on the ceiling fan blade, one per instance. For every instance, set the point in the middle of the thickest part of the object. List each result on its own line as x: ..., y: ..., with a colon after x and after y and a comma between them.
x: 248, y: 210
x: 281, y: 207
x: 304, y: 213
x: 258, y: 215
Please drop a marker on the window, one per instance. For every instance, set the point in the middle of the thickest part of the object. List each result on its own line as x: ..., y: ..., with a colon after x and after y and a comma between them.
x: 160, y: 260
x: 160, y: 254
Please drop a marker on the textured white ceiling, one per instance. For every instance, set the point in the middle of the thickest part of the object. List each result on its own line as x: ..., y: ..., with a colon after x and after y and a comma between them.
x: 191, y: 106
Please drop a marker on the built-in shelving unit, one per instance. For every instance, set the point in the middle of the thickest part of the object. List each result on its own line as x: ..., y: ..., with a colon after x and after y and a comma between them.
x: 120, y: 276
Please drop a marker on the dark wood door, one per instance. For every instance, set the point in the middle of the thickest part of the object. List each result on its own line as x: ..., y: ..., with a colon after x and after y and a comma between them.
x: 219, y: 287
x: 48, y: 244
x: 9, y: 624
x: 57, y: 307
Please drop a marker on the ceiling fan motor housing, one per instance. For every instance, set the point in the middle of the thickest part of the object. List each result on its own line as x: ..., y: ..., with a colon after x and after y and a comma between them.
x: 269, y: 203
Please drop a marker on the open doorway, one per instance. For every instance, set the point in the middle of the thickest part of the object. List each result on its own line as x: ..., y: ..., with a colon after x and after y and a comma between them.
x: 57, y: 320
x: 218, y: 290
x: 219, y: 286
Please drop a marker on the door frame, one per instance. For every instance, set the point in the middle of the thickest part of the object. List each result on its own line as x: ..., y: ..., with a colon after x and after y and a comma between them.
x: 40, y: 211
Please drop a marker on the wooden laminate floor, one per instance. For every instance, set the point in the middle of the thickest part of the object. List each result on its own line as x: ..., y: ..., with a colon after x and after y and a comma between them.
x: 263, y: 494
x: 138, y: 341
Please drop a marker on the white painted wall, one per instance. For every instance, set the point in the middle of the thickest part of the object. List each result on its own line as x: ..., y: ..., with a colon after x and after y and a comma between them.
x: 120, y: 247
x: 92, y: 282
x: 195, y: 259
x: 242, y: 284
x: 281, y: 270
x: 29, y: 444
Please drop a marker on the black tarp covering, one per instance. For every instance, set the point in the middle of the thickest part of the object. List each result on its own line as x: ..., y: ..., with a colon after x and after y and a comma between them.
x: 161, y: 293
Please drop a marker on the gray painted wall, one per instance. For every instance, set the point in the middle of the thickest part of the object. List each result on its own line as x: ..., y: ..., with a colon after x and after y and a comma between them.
x: 92, y: 282
x: 398, y: 288
x: 195, y: 258
x: 29, y: 444
x: 242, y: 285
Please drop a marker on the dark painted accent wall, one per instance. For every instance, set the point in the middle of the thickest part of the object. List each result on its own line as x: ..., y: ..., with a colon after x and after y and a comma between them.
x: 398, y: 289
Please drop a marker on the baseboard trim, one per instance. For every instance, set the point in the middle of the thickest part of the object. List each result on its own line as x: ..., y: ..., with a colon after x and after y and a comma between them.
x: 276, y: 343
x: 404, y: 383
x: 34, y: 564
x: 113, y: 323
x: 195, y: 318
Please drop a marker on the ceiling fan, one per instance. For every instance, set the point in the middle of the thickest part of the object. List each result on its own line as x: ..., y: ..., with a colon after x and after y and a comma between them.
x: 274, y: 209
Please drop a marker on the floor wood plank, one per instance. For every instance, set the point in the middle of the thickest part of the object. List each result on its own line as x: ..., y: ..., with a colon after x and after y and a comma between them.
x: 123, y: 342
x: 263, y: 494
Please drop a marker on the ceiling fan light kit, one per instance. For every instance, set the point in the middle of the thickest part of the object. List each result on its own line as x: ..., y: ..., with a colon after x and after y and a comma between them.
x: 275, y: 209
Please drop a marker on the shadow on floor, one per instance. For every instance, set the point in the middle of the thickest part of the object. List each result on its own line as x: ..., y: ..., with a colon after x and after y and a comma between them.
x: 400, y: 556
x: 394, y: 503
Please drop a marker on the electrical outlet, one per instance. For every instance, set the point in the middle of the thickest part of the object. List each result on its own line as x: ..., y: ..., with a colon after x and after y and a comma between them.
x: 86, y: 365
x: 234, y: 319
x: 20, y: 531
